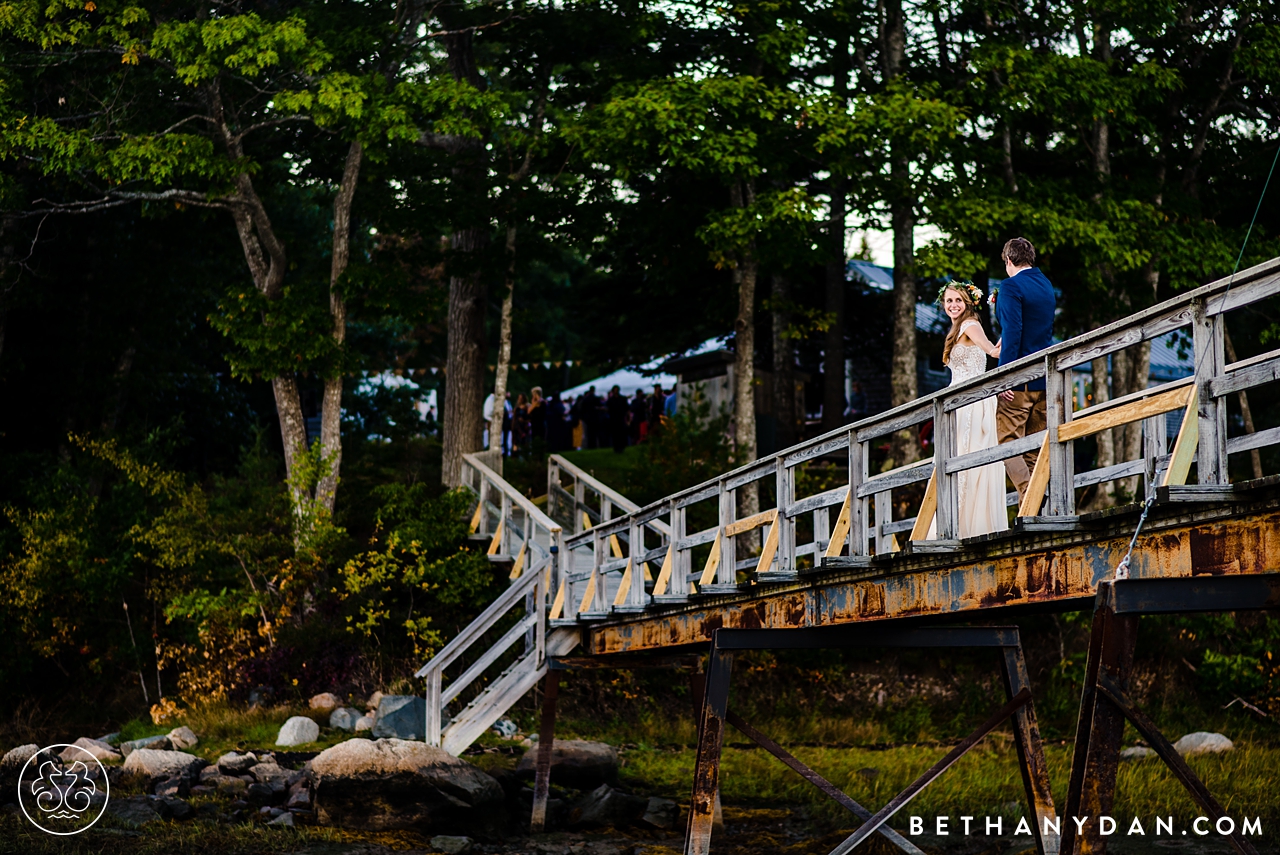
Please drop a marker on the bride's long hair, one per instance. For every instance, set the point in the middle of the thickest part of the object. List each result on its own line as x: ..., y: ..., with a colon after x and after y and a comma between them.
x: 970, y: 311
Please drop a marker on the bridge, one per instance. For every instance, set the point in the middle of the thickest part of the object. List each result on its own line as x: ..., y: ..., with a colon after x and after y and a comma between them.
x: 600, y: 582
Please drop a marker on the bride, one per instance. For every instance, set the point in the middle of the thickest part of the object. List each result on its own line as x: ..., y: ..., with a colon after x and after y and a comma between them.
x: 982, y: 494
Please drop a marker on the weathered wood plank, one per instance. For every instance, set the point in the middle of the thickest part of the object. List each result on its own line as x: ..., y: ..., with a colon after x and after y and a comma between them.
x: 911, y: 416
x: 1124, y: 333
x: 1062, y: 494
x: 947, y: 510
x: 834, y: 496
x: 841, y: 530
x: 705, y: 536
x: 1250, y: 441
x: 664, y: 576
x: 713, y: 562
x: 884, y: 515
x: 770, y: 547
x: 859, y: 465
x: 819, y: 449
x: 700, y: 494
x: 1246, y: 377
x: 1210, y: 356
x: 895, y: 478
x: 1242, y: 293
x: 755, y: 472
x: 1110, y: 473
x: 967, y: 393
x: 1003, y: 451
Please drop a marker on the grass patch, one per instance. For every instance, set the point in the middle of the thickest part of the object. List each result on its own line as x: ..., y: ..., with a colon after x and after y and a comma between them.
x: 19, y: 837
x: 223, y: 727
x: 984, y: 782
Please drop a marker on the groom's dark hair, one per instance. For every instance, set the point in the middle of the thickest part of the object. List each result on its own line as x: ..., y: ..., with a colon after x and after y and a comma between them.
x: 1019, y: 252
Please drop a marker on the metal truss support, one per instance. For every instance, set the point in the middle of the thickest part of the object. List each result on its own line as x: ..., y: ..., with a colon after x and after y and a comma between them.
x: 715, y: 713
x: 1105, y: 703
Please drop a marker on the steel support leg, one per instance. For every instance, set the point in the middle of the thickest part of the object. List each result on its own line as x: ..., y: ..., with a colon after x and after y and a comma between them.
x: 546, y: 741
x: 1026, y: 733
x: 706, y: 771
x: 1100, y: 728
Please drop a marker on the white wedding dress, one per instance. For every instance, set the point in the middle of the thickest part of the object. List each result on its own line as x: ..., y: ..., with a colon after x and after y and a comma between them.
x: 982, y: 506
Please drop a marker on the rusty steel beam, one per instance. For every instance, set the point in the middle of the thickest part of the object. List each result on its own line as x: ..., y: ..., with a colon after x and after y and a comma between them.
x: 1198, y: 594
x: 1171, y: 757
x: 1058, y: 570
x: 818, y: 781
x: 1100, y: 727
x: 706, y: 770
x: 546, y: 742
x: 875, y: 636
x: 900, y: 801
x: 1030, y: 747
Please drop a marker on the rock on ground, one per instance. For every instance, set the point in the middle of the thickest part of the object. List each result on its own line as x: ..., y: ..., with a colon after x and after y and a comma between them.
x: 374, y: 700
x: 1137, y: 752
x: 324, y: 702
x: 401, y: 717
x: 158, y: 743
x: 17, y: 757
x: 398, y: 784
x: 661, y: 813
x: 575, y: 763
x: 133, y: 811
x: 156, y: 766
x: 298, y: 730
x: 365, y: 722
x: 451, y: 845
x: 99, y: 749
x: 604, y: 806
x: 1202, y: 743
x: 183, y: 738
x: 344, y: 718
x: 234, y: 763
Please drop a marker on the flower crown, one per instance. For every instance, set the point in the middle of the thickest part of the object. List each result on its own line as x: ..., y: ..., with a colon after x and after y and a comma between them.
x: 972, y: 293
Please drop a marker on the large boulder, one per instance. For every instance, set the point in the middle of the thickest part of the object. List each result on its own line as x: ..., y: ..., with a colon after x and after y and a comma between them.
x: 400, y: 717
x: 155, y: 766
x: 158, y: 743
x: 325, y: 702
x: 133, y: 811
x: 1202, y: 743
x: 344, y: 718
x: 604, y: 806
x: 235, y: 763
x: 388, y: 784
x: 298, y: 730
x: 183, y: 738
x: 99, y: 749
x: 575, y: 763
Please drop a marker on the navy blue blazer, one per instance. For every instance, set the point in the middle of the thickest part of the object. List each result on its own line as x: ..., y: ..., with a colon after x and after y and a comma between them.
x: 1024, y: 308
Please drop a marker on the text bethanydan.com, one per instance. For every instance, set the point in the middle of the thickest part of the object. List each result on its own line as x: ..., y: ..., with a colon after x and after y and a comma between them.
x: 1104, y: 825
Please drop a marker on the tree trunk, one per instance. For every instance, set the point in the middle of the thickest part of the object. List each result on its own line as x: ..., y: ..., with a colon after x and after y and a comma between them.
x: 833, y: 379
x: 331, y: 411
x: 504, y: 346
x: 293, y: 431
x: 903, y: 384
x: 463, y: 413
x: 784, y: 380
x: 744, y: 345
x: 904, y: 447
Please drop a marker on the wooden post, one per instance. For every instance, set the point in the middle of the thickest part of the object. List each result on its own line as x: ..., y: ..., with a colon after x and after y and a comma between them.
x: 784, y: 525
x: 553, y: 481
x: 1062, y: 491
x: 682, y: 561
x: 1208, y: 347
x: 432, y: 725
x: 727, y: 572
x: 546, y: 745
x: 579, y: 504
x: 858, y: 508
x: 483, y: 491
x: 944, y: 448
x: 504, y: 544
x: 1153, y: 448
x: 884, y: 515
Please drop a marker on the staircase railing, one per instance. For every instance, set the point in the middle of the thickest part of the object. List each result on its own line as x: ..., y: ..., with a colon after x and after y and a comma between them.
x: 801, y: 535
x: 533, y: 542
x: 590, y: 503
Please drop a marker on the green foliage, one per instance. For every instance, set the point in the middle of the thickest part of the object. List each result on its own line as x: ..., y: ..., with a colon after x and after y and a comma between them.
x: 415, y: 572
x: 685, y: 450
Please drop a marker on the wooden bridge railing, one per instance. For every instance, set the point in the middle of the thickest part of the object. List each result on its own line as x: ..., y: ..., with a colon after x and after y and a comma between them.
x: 863, y: 522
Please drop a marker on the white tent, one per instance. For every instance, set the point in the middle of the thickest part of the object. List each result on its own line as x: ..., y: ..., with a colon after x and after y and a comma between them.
x: 627, y: 379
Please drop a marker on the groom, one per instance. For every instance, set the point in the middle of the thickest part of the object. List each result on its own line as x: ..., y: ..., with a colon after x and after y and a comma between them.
x: 1024, y: 309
